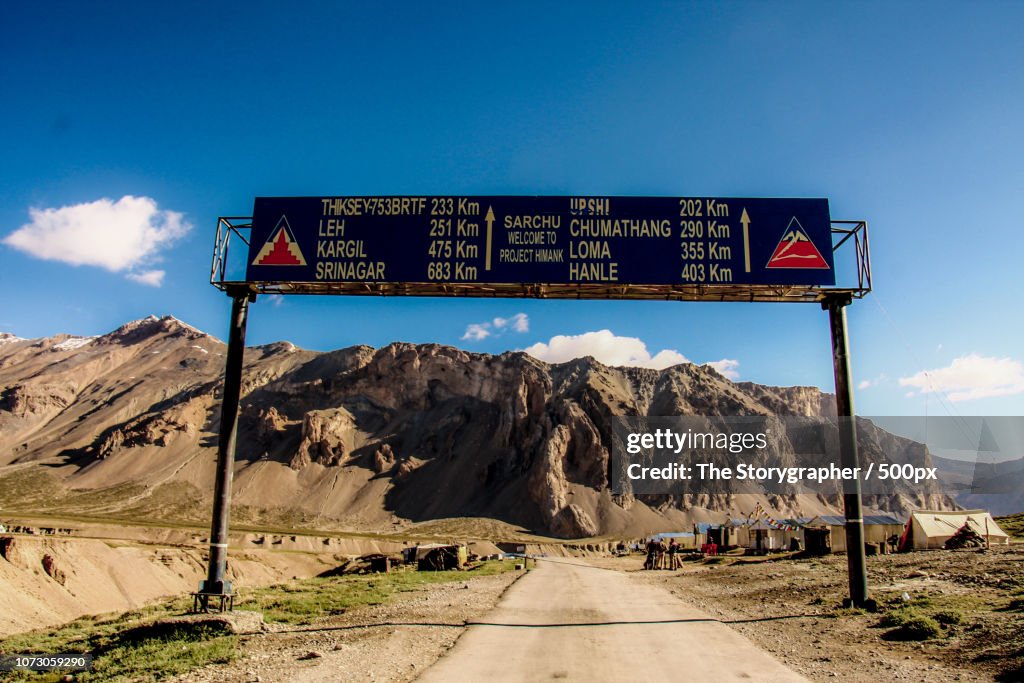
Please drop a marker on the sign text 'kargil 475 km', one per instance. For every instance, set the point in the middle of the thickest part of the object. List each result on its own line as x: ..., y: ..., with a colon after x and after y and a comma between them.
x: 567, y: 241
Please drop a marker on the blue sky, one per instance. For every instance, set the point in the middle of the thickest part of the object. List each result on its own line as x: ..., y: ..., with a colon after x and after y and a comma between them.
x: 904, y: 114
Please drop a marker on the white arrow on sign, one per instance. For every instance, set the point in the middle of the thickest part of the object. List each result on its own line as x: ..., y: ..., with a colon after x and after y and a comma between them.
x: 745, y: 220
x: 490, y: 225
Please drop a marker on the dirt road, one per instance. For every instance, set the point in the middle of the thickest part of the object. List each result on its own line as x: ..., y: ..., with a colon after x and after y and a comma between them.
x: 570, y: 621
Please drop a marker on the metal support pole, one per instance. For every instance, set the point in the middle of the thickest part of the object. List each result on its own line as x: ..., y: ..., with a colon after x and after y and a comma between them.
x: 856, y: 563
x: 215, y: 583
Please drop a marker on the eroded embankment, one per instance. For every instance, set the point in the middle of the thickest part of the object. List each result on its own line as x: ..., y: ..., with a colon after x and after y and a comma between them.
x: 48, y: 580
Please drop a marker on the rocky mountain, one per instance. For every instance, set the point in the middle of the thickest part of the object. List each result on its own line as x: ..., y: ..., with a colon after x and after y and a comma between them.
x: 363, y: 438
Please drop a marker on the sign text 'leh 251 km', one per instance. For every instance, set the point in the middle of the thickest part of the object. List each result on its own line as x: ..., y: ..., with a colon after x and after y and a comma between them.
x: 503, y: 240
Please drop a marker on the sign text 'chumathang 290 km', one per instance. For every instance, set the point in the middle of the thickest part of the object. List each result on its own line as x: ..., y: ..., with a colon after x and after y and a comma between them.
x: 549, y: 240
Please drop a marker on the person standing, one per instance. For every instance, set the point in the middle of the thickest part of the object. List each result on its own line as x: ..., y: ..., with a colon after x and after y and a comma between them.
x: 652, y: 551
x: 673, y: 548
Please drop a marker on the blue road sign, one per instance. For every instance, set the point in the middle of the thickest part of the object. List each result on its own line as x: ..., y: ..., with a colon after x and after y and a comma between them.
x: 605, y: 241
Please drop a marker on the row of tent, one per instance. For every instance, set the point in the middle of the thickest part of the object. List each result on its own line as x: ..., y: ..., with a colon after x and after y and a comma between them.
x: 924, y: 529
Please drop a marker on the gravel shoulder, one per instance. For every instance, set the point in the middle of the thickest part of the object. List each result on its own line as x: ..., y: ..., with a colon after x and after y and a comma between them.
x: 792, y: 609
x: 392, y: 642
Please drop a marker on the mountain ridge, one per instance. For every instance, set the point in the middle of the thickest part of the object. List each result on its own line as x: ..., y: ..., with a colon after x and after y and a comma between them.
x: 373, y: 438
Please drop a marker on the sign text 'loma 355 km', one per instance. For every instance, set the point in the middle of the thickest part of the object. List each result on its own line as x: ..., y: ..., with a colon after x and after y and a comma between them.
x: 549, y: 240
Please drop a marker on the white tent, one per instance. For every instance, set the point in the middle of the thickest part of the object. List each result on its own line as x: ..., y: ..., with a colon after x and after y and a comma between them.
x: 759, y: 535
x: 877, y: 528
x: 932, y: 528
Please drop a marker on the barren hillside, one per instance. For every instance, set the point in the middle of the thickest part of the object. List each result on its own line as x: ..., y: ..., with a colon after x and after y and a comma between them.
x: 125, y: 425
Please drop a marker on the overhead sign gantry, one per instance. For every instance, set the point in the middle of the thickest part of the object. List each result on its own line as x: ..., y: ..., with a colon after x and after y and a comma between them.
x: 589, y: 247
x: 682, y: 248
x: 544, y: 246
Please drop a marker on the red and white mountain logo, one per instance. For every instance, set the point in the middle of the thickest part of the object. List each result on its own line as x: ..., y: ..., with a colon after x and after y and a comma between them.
x: 280, y: 249
x: 796, y: 250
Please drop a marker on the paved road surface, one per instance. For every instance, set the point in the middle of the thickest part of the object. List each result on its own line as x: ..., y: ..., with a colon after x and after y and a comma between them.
x: 571, y: 622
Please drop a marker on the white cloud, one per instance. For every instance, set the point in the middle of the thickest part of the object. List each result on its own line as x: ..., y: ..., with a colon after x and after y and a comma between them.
x: 519, y: 322
x: 122, y: 236
x: 970, y: 377
x: 477, y: 331
x: 613, y: 350
x: 605, y: 347
x: 277, y: 300
x: 868, y: 383
x: 727, y: 367
x: 153, y: 278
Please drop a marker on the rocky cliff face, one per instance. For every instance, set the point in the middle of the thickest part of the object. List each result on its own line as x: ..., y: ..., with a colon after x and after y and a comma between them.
x: 364, y: 437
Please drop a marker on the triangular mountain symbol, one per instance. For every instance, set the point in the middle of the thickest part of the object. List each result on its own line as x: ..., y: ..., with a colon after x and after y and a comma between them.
x: 796, y: 250
x: 280, y: 249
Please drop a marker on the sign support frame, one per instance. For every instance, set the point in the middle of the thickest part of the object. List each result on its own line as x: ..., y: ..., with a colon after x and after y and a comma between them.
x: 216, y: 587
x: 832, y: 299
x: 856, y: 561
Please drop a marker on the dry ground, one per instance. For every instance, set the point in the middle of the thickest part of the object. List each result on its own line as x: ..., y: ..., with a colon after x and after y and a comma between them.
x: 390, y: 642
x: 789, y: 607
x: 792, y: 609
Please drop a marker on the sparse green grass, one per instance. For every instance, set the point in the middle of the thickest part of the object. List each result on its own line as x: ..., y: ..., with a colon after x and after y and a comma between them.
x: 300, y: 602
x: 1012, y: 524
x: 925, y: 616
x: 136, y: 656
x: 29, y: 487
x: 914, y: 627
x: 949, y: 617
x: 897, y: 617
x: 934, y: 603
x: 473, y: 527
x: 56, y: 517
x: 111, y: 497
x: 127, y: 647
x: 34, y: 492
x: 179, y: 501
x: 283, y: 518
